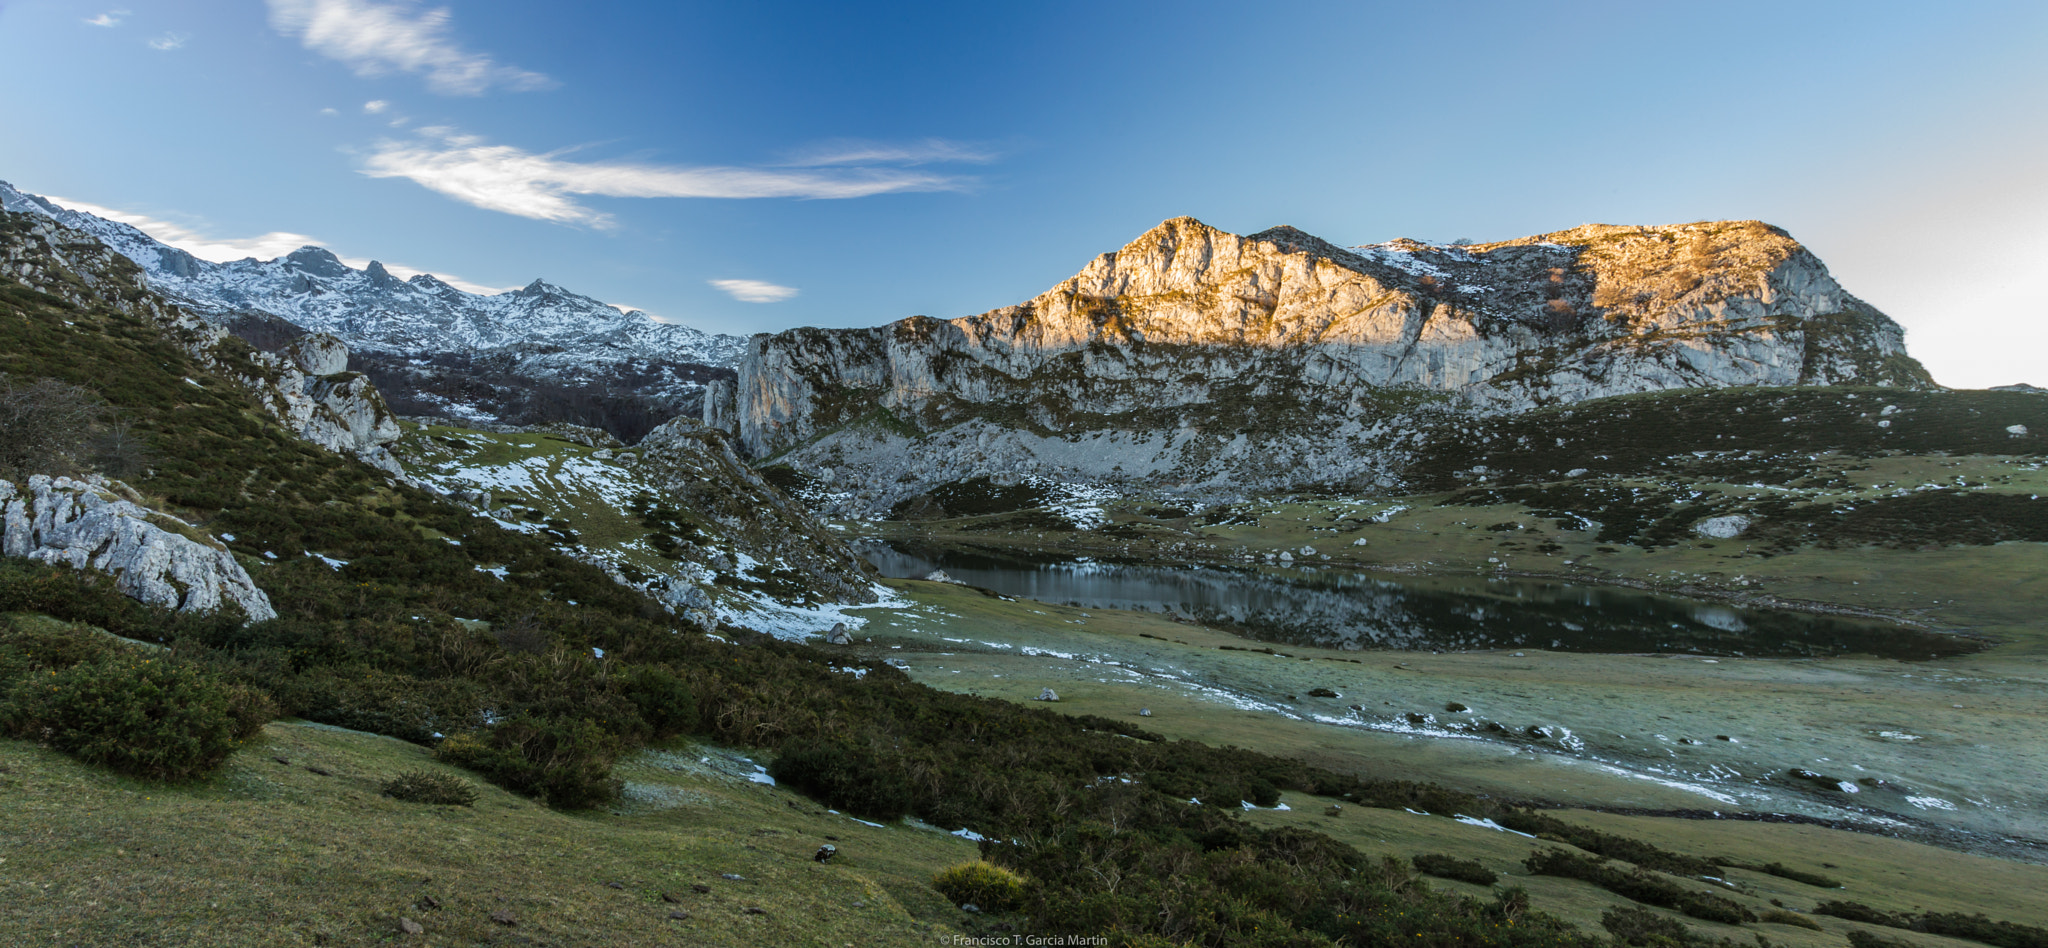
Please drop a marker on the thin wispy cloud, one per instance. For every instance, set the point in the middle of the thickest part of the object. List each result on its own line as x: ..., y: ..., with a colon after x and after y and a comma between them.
x: 268, y: 246
x: 375, y: 106
x: 754, y: 291
x: 546, y: 186
x: 169, y: 41
x: 858, y: 152
x: 109, y: 18
x: 377, y: 39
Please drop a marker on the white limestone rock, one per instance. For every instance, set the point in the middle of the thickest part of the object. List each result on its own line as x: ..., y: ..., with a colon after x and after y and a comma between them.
x: 1722, y: 528
x: 318, y: 354
x: 85, y: 525
x: 1198, y: 359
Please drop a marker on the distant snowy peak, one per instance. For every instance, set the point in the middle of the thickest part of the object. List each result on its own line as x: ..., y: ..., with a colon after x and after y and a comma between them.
x: 375, y: 311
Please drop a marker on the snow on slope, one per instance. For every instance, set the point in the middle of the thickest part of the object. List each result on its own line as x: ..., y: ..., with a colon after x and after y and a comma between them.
x: 375, y: 311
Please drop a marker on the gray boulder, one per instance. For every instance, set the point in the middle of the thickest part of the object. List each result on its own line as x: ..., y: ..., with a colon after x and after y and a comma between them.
x: 839, y: 635
x: 1722, y: 528
x: 1048, y: 695
x: 85, y: 525
x: 319, y: 354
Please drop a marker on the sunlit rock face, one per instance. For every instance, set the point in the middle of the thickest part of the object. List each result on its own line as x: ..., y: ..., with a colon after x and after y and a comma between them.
x: 1196, y: 358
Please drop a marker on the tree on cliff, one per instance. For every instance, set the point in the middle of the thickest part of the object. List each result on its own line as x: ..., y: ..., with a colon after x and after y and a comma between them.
x: 45, y: 425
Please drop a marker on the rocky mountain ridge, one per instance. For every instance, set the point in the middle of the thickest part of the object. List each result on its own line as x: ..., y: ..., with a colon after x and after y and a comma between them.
x: 1197, y: 359
x: 307, y: 387
x: 540, y: 332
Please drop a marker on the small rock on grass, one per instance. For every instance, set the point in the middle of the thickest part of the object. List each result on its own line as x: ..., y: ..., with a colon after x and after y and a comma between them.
x: 503, y: 917
x: 615, y: 885
x: 678, y: 915
x: 700, y: 888
x: 411, y: 927
x: 754, y: 910
x: 672, y: 900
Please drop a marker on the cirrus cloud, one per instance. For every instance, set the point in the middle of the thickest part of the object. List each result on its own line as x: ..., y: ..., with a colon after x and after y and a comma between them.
x: 754, y: 291
x: 544, y: 186
x: 377, y: 39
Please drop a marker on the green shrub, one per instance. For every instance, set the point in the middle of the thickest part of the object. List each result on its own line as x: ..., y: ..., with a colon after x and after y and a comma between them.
x: 664, y: 700
x: 984, y: 885
x: 148, y: 717
x: 426, y: 786
x: 852, y: 778
x: 1782, y: 917
x: 1643, y: 928
x: 1858, y: 938
x: 565, y: 762
x: 1783, y: 871
x: 1640, y: 885
x: 1451, y: 867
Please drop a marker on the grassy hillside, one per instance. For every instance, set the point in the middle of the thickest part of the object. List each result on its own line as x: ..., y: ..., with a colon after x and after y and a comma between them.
x: 420, y: 621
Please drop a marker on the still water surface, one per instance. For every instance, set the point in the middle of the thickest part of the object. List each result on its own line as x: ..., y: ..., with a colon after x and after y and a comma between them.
x: 1341, y: 609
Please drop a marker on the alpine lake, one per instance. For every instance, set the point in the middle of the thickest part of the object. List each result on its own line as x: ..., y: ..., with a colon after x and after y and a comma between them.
x: 1532, y: 690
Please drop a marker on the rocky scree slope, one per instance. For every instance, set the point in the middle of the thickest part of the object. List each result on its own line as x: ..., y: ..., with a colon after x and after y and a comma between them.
x: 1197, y: 359
x: 432, y: 345
x: 678, y: 516
x: 761, y: 550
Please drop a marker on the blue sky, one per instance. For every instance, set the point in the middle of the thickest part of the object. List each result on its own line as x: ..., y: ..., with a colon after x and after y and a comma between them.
x: 750, y: 167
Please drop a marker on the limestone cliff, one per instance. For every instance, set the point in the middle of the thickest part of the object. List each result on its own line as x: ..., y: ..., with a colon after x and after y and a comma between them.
x: 152, y: 556
x: 1194, y: 357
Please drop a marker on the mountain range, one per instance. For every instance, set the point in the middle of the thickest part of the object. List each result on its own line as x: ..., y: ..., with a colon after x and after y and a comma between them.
x: 1193, y: 359
x: 538, y: 353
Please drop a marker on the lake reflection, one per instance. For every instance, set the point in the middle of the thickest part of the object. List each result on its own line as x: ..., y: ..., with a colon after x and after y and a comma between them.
x: 1347, y: 610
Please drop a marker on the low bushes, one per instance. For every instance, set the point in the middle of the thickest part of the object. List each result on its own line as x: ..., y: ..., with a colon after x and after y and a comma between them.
x: 426, y: 786
x: 847, y: 776
x: 1952, y: 924
x: 1623, y: 848
x: 985, y: 886
x: 1782, y: 917
x: 148, y: 717
x: 1451, y: 867
x: 563, y: 761
x: 1639, y: 885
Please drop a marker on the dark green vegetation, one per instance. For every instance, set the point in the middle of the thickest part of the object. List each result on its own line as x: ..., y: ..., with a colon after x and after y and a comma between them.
x: 111, y: 703
x: 970, y: 498
x: 426, y: 786
x: 1645, y: 458
x: 409, y: 639
x: 1770, y: 434
x: 1642, y: 885
x: 1783, y: 871
x: 984, y: 885
x: 1608, y: 845
x: 1953, y: 924
x: 1451, y: 867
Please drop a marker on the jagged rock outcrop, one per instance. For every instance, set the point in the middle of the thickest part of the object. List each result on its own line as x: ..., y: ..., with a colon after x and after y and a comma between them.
x: 776, y: 543
x: 307, y: 386
x: 1197, y: 358
x: 151, y: 555
x: 316, y: 396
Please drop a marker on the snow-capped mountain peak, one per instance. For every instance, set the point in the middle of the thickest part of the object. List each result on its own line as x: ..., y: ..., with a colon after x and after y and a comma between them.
x: 375, y: 311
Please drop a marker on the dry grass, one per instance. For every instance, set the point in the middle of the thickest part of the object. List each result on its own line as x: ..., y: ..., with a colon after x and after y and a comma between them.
x: 278, y: 854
